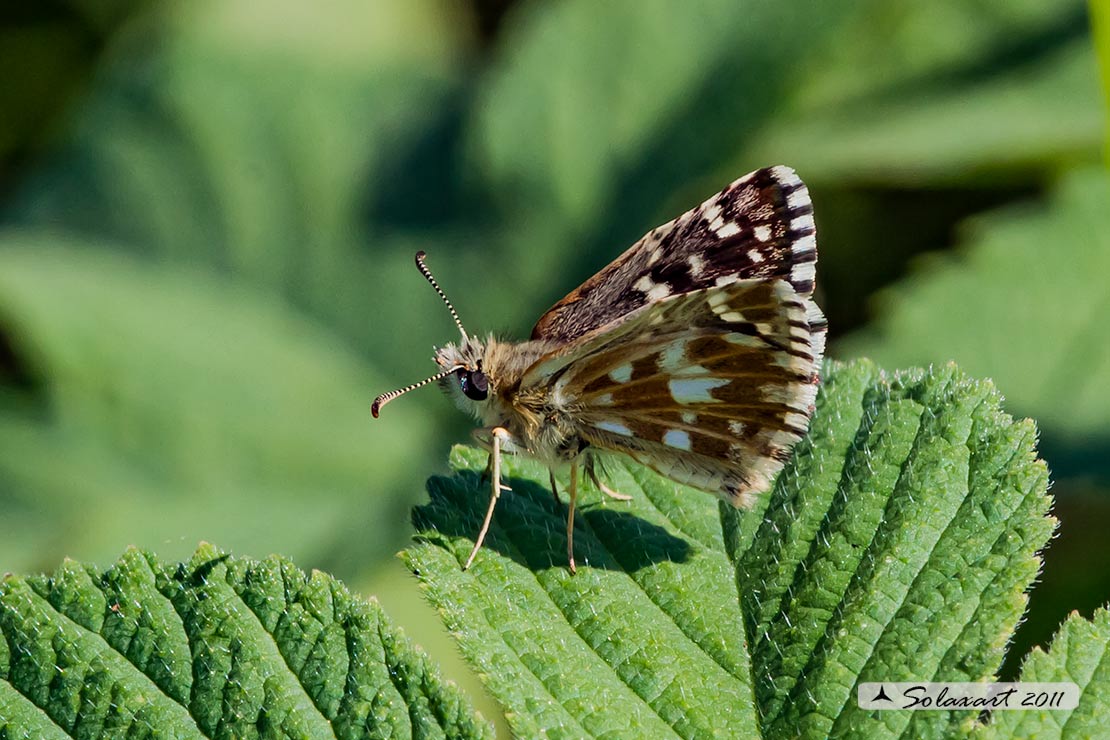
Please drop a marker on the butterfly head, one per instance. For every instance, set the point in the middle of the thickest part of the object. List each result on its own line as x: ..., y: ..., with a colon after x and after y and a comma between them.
x: 462, y: 374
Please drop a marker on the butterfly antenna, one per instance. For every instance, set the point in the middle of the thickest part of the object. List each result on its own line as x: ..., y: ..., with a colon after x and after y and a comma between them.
x: 385, y: 398
x: 428, y: 275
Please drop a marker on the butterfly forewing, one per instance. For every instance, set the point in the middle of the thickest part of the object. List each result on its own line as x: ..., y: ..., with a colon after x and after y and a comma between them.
x: 759, y: 227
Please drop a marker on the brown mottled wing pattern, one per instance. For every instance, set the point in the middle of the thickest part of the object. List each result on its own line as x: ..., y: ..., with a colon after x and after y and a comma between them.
x: 697, y: 352
x: 710, y: 388
x: 760, y: 226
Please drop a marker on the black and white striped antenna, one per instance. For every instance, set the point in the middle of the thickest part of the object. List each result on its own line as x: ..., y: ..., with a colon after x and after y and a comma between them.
x: 428, y: 275
x: 385, y: 398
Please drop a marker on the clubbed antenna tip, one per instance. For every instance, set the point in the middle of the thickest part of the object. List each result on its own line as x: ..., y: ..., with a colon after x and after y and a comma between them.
x: 383, y: 399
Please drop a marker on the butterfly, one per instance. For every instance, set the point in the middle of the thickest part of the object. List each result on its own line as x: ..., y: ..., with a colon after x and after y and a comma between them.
x: 696, y: 352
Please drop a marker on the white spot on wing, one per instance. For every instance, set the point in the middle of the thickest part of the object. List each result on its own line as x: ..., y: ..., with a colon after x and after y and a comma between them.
x: 621, y: 373
x: 711, y: 212
x: 801, y: 421
x: 694, y: 390
x: 784, y: 394
x: 781, y: 438
x: 817, y: 338
x: 691, y: 370
x: 804, y: 245
x: 714, y: 218
x: 798, y: 199
x: 689, y: 417
x: 727, y: 229
x: 653, y: 290
x: 813, y: 313
x: 804, y: 272
x: 718, y: 299
x: 677, y: 438
x: 744, y: 340
x: 615, y: 428
x: 605, y: 399
x: 762, y: 233
x: 674, y: 356
x: 802, y: 223
x: 755, y: 256
x: 792, y: 362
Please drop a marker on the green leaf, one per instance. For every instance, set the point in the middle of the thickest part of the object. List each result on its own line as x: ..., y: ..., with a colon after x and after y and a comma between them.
x: 896, y: 545
x: 595, y: 112
x: 999, y: 126
x: 906, y: 554
x: 255, y: 147
x: 214, y: 647
x: 592, y: 116
x: 1079, y: 653
x: 894, y: 48
x: 574, y: 656
x: 176, y: 405
x: 1007, y: 90
x: 1032, y: 276
x: 1100, y: 24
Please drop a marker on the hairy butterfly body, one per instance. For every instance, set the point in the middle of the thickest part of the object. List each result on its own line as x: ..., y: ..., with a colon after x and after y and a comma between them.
x: 696, y: 352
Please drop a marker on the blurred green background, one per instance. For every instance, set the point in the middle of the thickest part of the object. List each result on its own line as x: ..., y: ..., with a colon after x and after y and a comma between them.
x: 208, y: 212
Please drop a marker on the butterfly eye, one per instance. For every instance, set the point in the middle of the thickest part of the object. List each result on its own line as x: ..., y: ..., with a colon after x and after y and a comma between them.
x: 474, y: 384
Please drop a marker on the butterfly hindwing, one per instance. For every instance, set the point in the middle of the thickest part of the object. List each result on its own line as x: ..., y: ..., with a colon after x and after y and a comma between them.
x: 759, y: 227
x: 710, y: 388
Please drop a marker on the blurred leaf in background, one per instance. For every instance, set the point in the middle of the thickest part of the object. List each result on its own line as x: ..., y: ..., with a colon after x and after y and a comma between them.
x: 207, y: 195
x: 1016, y: 301
x: 208, y: 214
x: 54, y: 46
x: 182, y: 406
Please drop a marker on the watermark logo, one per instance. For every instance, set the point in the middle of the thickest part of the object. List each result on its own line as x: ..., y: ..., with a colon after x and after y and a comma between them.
x: 967, y: 695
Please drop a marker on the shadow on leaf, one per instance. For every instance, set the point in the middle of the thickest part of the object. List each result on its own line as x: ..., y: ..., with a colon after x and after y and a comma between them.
x: 529, y: 527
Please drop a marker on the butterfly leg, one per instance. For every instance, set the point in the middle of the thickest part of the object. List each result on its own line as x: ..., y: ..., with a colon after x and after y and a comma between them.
x: 485, y: 444
x: 570, y: 515
x: 592, y: 473
x: 554, y: 488
x: 497, y: 435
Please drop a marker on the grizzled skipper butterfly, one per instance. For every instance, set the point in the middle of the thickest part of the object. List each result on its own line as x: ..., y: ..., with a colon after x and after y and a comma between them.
x: 696, y: 353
